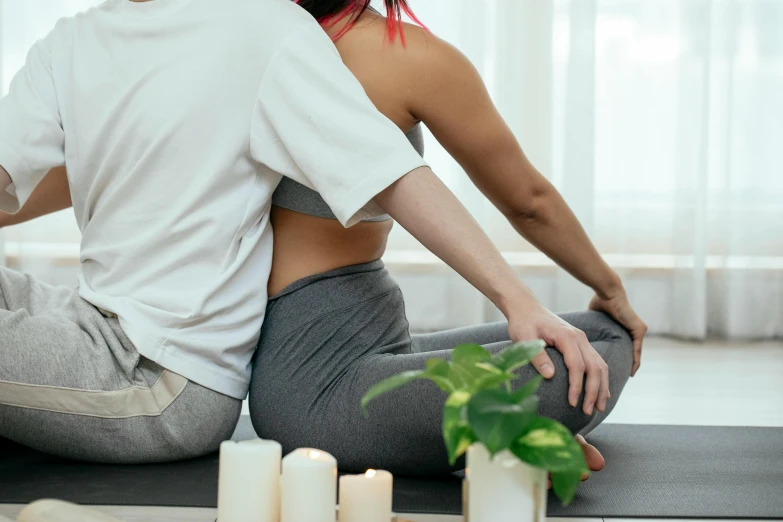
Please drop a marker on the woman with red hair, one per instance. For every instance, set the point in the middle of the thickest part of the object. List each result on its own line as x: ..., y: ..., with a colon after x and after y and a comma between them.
x: 335, y: 324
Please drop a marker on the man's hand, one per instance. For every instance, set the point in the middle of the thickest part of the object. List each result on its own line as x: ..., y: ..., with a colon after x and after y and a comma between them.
x: 585, y: 366
x: 618, y: 306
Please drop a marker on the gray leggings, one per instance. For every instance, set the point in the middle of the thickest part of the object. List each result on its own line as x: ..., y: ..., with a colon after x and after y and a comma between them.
x: 328, y: 338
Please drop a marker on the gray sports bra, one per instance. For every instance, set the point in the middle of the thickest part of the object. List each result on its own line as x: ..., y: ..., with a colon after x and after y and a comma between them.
x: 295, y: 196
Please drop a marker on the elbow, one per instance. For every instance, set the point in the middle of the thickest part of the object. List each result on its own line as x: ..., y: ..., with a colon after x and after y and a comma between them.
x: 531, y: 209
x: 530, y: 213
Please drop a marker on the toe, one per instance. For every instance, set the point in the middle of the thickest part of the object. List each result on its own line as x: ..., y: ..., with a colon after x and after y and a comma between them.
x: 595, y: 461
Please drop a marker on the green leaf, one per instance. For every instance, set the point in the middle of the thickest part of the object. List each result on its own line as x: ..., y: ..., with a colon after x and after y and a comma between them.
x: 439, y: 371
x: 549, y: 445
x: 517, y: 355
x: 465, y: 369
x: 458, y: 440
x: 497, y: 419
x: 469, y: 354
x: 437, y: 367
x: 492, y: 378
x: 456, y: 432
x: 388, y: 385
x: 458, y: 399
x: 527, y: 389
x: 565, y: 483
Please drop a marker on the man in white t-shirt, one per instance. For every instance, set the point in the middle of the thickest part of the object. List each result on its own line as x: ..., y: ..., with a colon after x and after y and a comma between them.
x: 176, y: 120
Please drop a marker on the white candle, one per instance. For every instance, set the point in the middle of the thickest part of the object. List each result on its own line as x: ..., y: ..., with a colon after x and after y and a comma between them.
x: 249, y: 484
x: 503, y: 489
x: 308, y: 486
x: 366, y: 498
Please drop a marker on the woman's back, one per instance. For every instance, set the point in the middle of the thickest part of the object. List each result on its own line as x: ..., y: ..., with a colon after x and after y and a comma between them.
x: 307, y: 244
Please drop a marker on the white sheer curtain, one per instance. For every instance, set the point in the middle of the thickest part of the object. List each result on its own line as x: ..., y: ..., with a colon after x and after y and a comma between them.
x: 49, y: 246
x: 659, y: 121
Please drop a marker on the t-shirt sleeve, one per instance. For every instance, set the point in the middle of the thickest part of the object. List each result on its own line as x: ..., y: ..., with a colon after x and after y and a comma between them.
x: 31, y: 133
x: 314, y: 123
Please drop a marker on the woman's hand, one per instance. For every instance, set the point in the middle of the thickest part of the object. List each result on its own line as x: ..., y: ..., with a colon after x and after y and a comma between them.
x: 585, y: 366
x: 616, y: 304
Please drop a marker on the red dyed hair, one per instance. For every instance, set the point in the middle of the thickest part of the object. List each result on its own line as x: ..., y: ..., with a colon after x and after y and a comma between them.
x: 330, y: 12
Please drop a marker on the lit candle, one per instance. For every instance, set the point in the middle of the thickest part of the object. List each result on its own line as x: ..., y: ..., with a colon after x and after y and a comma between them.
x: 366, y: 498
x: 503, y: 489
x: 249, y: 484
x: 308, y: 486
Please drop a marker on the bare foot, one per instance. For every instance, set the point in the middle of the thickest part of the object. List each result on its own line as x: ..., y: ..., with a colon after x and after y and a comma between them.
x: 595, y: 461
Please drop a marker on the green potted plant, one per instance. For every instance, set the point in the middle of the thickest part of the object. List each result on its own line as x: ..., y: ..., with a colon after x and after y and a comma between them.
x: 496, y: 424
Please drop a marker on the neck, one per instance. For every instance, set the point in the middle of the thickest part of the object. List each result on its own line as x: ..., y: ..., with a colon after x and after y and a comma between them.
x: 339, y: 27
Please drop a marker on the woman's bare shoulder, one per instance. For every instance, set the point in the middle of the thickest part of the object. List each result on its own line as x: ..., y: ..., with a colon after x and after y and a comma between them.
x: 400, y: 75
x: 407, y: 54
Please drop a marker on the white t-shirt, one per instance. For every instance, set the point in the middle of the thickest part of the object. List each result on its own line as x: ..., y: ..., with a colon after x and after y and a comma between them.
x: 176, y: 120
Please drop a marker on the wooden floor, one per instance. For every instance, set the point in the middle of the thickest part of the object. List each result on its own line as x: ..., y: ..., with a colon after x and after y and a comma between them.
x: 714, y: 383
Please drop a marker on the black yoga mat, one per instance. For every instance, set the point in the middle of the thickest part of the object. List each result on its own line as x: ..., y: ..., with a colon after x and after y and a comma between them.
x: 652, y: 472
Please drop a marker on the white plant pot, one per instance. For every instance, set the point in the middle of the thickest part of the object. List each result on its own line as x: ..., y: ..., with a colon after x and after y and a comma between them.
x: 503, y: 488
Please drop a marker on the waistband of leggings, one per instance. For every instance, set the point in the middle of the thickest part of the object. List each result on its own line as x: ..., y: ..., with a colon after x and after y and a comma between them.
x: 372, y: 266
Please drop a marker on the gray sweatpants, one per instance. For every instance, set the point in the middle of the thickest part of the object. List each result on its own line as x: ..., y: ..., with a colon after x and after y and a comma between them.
x: 73, y: 385
x: 328, y: 338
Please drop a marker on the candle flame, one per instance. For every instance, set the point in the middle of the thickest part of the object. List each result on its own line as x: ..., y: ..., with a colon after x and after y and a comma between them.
x: 315, y: 455
x: 370, y: 473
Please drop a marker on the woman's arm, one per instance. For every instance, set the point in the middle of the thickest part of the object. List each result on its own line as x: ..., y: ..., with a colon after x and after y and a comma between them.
x: 449, y: 96
x: 51, y: 195
x: 444, y: 226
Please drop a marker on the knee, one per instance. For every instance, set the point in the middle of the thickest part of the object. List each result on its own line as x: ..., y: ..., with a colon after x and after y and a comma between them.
x: 604, y: 328
x: 612, y: 341
x: 575, y: 419
x: 553, y: 395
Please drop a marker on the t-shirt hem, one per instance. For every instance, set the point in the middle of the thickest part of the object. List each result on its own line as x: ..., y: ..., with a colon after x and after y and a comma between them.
x: 350, y: 209
x: 171, y: 359
x: 17, y: 170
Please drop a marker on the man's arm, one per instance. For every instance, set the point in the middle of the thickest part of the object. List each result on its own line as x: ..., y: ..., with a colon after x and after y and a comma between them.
x: 51, y: 195
x: 32, y: 140
x: 5, y: 179
x: 7, y: 199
